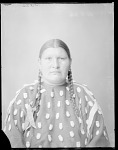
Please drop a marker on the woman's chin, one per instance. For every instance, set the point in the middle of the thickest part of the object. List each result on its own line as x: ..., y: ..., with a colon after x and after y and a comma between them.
x: 54, y: 79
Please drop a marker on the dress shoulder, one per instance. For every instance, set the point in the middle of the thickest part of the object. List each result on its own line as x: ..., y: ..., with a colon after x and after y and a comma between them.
x: 86, y: 96
x: 22, y: 95
x: 83, y: 87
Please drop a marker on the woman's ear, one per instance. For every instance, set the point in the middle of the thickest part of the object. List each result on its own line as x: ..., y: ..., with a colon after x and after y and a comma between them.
x: 39, y: 63
x: 70, y: 63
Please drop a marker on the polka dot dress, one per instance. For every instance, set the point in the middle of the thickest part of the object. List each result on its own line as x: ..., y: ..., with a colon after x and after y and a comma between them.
x: 58, y: 123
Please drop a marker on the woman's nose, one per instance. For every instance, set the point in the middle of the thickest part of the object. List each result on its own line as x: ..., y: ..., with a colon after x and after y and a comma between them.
x: 55, y: 63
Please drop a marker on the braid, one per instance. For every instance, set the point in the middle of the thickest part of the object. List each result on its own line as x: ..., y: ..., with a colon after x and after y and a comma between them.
x: 71, y: 91
x: 37, y: 103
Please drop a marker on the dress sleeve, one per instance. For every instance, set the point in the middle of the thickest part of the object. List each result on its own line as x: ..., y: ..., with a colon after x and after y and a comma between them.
x: 98, y: 132
x: 14, y: 122
x: 96, y: 129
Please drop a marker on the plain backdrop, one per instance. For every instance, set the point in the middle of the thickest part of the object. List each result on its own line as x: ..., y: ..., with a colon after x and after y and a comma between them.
x: 87, y: 29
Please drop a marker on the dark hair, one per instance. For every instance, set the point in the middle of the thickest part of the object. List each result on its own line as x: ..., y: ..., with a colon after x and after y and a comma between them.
x: 55, y: 43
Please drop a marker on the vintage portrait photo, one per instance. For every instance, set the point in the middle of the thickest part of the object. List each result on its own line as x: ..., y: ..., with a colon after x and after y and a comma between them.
x: 57, y: 64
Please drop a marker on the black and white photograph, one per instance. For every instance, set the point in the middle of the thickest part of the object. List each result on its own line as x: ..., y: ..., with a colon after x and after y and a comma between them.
x: 57, y: 73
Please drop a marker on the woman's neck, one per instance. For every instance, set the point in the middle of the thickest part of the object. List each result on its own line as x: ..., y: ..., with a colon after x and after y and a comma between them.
x: 53, y: 84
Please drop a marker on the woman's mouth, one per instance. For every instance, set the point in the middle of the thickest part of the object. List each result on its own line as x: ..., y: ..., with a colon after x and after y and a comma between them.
x: 55, y: 72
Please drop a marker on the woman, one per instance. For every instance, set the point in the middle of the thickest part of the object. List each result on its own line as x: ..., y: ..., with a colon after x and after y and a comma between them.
x: 55, y: 111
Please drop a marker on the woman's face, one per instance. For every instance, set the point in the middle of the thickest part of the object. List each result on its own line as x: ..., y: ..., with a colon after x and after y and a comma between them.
x: 54, y: 65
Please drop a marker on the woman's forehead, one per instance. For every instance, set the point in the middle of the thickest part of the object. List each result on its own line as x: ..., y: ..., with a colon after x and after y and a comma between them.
x: 54, y: 52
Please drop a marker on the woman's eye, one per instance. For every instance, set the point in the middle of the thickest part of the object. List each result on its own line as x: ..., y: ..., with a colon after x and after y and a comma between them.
x: 48, y: 58
x: 62, y: 58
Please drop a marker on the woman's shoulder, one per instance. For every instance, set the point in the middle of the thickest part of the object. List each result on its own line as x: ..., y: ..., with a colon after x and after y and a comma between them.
x: 87, y: 95
x: 81, y: 87
x: 24, y: 94
x: 84, y: 91
x: 28, y: 87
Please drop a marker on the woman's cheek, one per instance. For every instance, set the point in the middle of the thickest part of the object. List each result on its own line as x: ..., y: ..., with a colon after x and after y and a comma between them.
x: 65, y: 70
x: 45, y: 70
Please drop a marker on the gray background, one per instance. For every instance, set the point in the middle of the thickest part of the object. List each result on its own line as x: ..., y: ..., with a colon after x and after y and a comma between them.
x: 87, y: 29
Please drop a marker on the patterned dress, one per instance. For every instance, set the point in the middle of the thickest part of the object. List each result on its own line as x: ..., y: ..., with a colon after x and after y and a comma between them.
x: 59, y: 123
